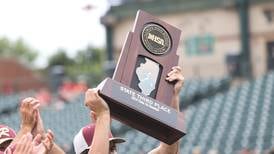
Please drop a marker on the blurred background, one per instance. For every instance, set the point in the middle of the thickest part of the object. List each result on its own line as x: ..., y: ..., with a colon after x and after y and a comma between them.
x: 55, y: 50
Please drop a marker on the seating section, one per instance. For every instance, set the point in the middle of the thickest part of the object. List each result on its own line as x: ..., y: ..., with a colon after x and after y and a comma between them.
x: 197, y: 89
x: 10, y: 103
x: 228, y: 122
x: 223, y: 121
x: 67, y: 121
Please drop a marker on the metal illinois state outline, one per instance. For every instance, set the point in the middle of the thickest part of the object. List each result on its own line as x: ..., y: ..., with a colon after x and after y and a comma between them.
x: 147, y: 74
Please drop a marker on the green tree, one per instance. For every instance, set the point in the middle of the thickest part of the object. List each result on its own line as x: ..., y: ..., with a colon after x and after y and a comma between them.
x: 60, y: 58
x: 4, y: 46
x: 89, y: 55
x: 18, y: 49
x: 88, y: 64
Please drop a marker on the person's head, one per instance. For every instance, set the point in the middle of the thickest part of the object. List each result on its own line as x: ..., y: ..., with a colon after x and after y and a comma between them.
x: 271, y: 151
x: 84, y: 137
x: 6, y: 136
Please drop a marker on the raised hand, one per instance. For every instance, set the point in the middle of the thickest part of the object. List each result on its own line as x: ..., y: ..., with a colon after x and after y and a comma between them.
x: 48, y: 142
x: 24, y: 145
x: 95, y: 103
x: 28, y: 112
x: 175, y: 75
x: 39, y: 126
x: 43, y: 146
x: 27, y: 145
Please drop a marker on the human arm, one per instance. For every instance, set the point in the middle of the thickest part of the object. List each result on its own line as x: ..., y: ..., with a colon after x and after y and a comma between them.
x: 43, y: 145
x: 175, y: 75
x: 28, y: 111
x: 56, y: 149
x: 39, y: 129
x: 100, y: 142
x: 52, y: 147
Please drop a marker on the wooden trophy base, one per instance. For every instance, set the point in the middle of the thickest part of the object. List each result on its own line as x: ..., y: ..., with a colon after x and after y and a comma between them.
x: 142, y: 112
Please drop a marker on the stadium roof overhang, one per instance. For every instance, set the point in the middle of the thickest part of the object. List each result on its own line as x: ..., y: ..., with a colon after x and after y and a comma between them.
x: 128, y: 10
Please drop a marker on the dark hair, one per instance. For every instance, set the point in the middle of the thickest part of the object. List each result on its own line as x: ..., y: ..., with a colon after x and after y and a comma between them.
x: 111, y: 148
x: 85, y: 151
x: 271, y: 151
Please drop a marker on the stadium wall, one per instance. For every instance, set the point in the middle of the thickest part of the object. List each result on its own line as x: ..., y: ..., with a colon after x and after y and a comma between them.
x: 218, y: 33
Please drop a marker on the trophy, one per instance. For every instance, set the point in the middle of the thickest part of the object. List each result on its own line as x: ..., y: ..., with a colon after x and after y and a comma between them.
x: 138, y: 94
